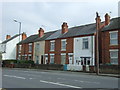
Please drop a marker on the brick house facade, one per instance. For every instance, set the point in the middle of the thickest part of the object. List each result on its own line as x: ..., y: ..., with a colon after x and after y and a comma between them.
x: 25, y: 48
x: 63, y: 43
x: 109, y: 40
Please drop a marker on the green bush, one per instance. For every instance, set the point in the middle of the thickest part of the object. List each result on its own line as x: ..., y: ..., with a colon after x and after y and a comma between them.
x: 10, y: 61
x: 108, y: 64
x: 25, y: 62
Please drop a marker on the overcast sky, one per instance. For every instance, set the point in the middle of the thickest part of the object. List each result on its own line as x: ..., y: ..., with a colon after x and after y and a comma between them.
x: 50, y: 15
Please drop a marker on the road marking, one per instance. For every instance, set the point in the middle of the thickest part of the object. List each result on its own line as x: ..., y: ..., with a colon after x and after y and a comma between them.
x: 31, y: 78
x: 25, y: 71
x: 87, y: 82
x: 61, y: 78
x: 14, y: 76
x: 59, y: 84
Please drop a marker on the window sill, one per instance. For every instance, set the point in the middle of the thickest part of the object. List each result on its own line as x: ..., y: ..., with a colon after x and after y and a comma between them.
x: 114, y: 45
x: 52, y: 50
x: 63, y: 50
x: 85, y: 49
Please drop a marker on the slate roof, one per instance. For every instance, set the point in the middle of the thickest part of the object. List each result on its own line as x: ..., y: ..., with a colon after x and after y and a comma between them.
x: 29, y: 39
x: 54, y: 35
x: 80, y: 30
x: 75, y: 31
x: 35, y: 38
x: 114, y: 24
x: 45, y: 36
x: 10, y: 39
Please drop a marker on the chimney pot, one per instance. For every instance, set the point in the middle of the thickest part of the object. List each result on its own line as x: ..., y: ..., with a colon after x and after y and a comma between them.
x: 8, y: 37
x: 64, y: 27
x: 107, y: 19
x: 24, y: 36
x: 41, y: 32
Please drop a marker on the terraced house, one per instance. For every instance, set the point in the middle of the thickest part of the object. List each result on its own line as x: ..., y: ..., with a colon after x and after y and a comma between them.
x: 75, y: 47
x: 110, y: 42
x: 39, y: 46
x: 32, y: 48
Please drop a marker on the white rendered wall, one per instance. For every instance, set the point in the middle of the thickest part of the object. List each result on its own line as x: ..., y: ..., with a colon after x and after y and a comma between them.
x: 80, y: 52
x: 11, y: 49
x: 40, y: 52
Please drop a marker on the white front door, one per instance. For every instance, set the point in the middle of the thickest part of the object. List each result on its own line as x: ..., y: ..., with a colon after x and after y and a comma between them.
x: 46, y: 59
x: 70, y: 59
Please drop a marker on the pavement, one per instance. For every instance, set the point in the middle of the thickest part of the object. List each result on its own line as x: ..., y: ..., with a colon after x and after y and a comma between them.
x: 36, y: 78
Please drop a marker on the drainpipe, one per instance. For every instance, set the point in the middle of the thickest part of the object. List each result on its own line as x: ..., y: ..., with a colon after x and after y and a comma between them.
x: 92, y: 48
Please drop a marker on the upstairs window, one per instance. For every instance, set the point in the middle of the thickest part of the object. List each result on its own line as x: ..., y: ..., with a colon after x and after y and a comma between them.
x: 3, y: 48
x: 63, y: 45
x: 85, y: 43
x: 37, y: 47
x: 52, y: 45
x: 30, y: 47
x: 114, y: 38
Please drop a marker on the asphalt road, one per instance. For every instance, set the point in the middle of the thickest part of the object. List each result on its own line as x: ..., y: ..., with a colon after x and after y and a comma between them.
x: 26, y: 78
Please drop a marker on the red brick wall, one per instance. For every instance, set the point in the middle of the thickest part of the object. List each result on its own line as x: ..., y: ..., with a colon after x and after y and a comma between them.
x: 105, y: 38
x: 119, y: 46
x: 25, y: 50
x: 57, y: 52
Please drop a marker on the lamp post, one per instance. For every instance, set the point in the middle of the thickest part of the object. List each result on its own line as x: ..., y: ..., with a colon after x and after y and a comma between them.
x: 19, y: 28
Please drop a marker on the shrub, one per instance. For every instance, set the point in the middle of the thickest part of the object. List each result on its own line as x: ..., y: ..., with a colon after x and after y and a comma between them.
x: 25, y: 62
x: 9, y: 61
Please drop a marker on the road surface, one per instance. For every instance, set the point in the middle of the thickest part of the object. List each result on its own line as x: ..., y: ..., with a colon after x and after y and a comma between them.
x: 31, y: 78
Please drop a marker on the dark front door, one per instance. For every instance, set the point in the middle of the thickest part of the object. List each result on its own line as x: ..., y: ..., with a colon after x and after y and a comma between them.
x: 41, y: 59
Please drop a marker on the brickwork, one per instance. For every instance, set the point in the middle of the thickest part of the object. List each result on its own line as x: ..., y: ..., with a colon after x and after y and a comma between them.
x: 106, y: 46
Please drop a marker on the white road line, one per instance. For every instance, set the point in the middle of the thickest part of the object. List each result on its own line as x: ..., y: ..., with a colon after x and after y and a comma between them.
x: 14, y: 76
x: 61, y: 78
x: 87, y: 82
x: 59, y: 84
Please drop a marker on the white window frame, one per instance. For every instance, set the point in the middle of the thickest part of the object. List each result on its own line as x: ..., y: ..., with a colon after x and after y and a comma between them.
x: 83, y: 45
x: 3, y: 48
x: 29, y: 56
x: 30, y: 44
x: 63, y: 49
x: 52, y: 57
x: 52, y: 44
x: 63, y: 54
x: 37, y: 46
x: 114, y: 50
x: 113, y: 38
x: 19, y: 48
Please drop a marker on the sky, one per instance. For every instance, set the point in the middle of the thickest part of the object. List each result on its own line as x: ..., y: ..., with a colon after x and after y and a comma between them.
x: 50, y: 14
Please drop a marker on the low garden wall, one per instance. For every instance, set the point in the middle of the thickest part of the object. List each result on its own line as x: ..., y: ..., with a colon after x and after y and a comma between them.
x: 108, y: 69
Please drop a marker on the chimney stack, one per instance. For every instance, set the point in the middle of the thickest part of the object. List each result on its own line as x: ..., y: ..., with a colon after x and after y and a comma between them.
x: 8, y: 37
x: 64, y: 27
x: 24, y: 36
x: 98, y: 21
x: 107, y: 19
x: 41, y: 32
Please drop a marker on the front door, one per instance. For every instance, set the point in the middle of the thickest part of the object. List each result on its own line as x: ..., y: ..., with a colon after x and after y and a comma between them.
x: 41, y: 59
x: 70, y: 59
x: 46, y: 59
x: 37, y: 59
